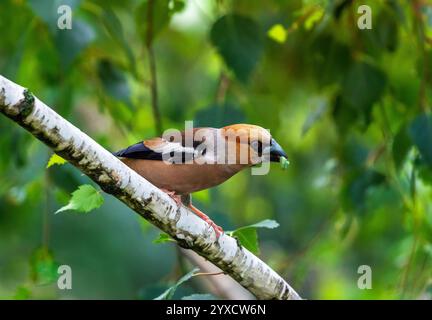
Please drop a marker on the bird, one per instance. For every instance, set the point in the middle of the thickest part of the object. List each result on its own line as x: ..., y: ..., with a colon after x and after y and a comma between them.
x: 181, y: 163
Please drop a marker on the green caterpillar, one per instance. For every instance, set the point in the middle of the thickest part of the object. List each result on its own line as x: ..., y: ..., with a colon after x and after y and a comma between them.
x: 284, y: 162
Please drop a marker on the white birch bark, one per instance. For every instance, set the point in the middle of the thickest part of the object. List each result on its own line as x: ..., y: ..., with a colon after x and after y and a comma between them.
x: 115, y: 178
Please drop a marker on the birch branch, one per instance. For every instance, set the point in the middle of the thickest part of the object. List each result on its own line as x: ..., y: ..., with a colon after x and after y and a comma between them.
x: 152, y: 204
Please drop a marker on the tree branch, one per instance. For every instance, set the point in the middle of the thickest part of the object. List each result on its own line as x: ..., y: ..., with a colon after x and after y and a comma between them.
x: 115, y: 178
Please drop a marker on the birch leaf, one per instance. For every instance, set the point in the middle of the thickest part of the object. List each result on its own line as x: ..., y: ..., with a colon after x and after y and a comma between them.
x: 55, y: 159
x: 85, y: 199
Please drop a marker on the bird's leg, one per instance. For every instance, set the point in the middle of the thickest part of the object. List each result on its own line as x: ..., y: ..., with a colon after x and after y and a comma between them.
x: 218, y: 230
x: 174, y: 196
x: 178, y: 199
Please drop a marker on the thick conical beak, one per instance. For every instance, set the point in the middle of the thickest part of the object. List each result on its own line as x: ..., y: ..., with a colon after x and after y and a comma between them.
x: 276, y: 151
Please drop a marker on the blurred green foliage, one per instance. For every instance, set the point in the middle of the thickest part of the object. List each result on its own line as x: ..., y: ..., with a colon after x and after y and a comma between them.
x: 351, y: 107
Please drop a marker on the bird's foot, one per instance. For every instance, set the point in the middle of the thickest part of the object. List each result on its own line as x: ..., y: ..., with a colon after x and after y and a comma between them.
x: 174, y: 196
x: 218, y: 230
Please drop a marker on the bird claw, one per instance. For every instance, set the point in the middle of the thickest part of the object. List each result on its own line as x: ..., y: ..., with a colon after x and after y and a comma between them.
x: 173, y: 196
x: 218, y: 230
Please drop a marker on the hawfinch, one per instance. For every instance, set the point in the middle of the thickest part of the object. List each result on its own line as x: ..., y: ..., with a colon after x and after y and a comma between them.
x: 181, y: 163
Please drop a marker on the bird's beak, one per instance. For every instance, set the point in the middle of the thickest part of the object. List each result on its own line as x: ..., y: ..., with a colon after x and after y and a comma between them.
x: 276, y: 151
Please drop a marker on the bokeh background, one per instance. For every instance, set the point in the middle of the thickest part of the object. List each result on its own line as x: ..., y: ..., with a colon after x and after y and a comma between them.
x: 351, y: 107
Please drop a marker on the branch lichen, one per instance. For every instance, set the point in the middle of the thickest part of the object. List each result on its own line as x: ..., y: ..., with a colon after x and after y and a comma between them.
x: 26, y: 105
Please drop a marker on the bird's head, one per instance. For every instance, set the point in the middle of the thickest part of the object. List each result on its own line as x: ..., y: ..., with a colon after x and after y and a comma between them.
x: 253, y: 142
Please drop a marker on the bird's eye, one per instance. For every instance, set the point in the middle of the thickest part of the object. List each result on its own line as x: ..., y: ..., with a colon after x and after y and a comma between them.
x: 257, y: 146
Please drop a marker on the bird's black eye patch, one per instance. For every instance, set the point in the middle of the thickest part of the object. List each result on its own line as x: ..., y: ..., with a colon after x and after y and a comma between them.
x: 196, y: 143
x: 257, y: 146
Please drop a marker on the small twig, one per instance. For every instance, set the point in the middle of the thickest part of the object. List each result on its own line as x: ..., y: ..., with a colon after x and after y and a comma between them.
x: 223, y: 286
x: 152, y: 65
x: 46, y: 212
x: 222, y: 88
x: 209, y: 274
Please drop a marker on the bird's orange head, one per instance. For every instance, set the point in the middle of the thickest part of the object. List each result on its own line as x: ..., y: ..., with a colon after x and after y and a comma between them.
x: 252, y: 143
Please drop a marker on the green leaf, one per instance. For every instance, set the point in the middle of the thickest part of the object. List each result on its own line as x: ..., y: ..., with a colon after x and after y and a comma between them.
x: 239, y: 40
x: 267, y: 223
x: 278, y: 33
x: 115, y: 29
x: 363, y: 86
x: 177, y: 5
x: 70, y: 43
x: 344, y: 115
x: 401, y: 146
x: 85, y: 199
x: 43, y: 268
x: 168, y: 294
x: 163, y: 237
x: 55, y: 159
x: 248, y: 236
x: 424, y: 173
x: 314, y: 18
x: 163, y: 10
x: 420, y: 132
x: 359, y: 184
x: 314, y: 116
x: 199, y: 296
x: 386, y: 31
x: 114, y: 82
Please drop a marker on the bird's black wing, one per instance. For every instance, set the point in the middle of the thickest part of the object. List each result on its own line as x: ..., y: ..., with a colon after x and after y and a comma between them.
x: 139, y: 151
